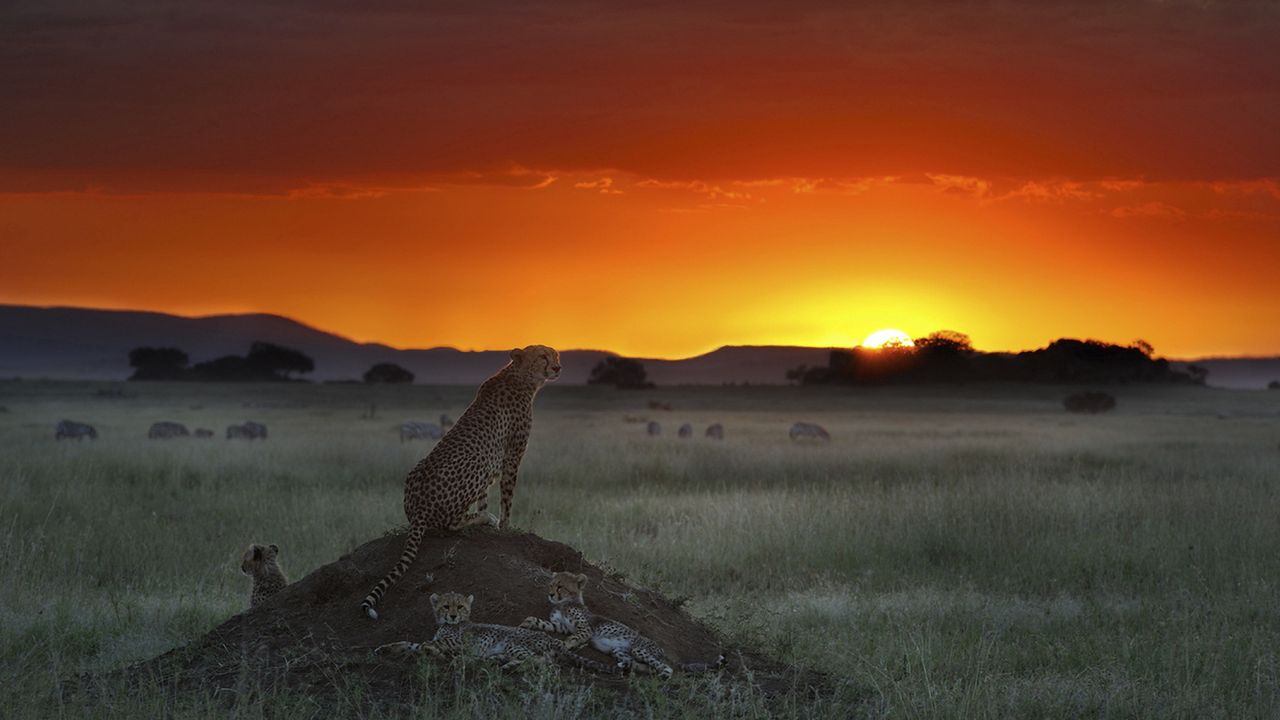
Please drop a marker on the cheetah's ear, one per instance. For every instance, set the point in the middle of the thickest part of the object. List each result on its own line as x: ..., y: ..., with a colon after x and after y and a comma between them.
x: 582, y: 579
x: 470, y: 599
x: 257, y: 552
x: 517, y: 353
x: 435, y: 600
x: 275, y: 549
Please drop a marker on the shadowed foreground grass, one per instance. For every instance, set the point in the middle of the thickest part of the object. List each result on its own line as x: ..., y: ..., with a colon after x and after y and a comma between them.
x: 953, y: 553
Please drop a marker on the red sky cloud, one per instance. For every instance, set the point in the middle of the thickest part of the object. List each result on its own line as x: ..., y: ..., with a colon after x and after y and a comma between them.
x: 702, y: 173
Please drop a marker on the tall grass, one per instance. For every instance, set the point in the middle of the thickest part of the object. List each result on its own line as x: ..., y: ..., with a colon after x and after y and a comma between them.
x: 952, y: 553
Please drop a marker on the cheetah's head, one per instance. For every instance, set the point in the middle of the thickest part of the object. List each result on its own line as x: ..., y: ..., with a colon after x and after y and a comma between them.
x: 451, y: 608
x: 565, y: 587
x: 257, y: 556
x: 540, y: 361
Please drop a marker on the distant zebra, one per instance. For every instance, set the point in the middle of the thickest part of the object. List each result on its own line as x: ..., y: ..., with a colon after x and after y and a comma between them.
x: 715, y: 432
x: 67, y: 429
x: 446, y: 422
x: 203, y: 433
x: 654, y: 429
x: 167, y: 430
x: 803, y: 431
x: 413, y: 430
x: 685, y: 431
x: 247, y: 431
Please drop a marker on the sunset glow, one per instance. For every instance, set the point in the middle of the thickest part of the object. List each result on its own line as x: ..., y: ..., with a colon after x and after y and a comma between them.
x: 887, y: 338
x: 493, y: 176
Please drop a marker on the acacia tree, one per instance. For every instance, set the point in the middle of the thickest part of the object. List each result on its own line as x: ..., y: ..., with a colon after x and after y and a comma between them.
x: 275, y: 359
x: 620, y: 372
x: 387, y: 373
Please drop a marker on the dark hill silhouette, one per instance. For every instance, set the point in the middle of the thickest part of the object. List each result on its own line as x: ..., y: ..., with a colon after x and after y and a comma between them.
x: 83, y: 343
x: 80, y: 343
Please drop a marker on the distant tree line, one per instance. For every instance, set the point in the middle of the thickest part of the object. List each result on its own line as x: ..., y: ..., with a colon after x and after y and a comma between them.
x: 266, y: 362
x: 948, y: 357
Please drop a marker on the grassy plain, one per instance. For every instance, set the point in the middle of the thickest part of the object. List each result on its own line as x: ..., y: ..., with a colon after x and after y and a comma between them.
x: 954, y: 552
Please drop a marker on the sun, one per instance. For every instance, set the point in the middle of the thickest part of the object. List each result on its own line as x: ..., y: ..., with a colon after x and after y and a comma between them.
x: 888, y: 337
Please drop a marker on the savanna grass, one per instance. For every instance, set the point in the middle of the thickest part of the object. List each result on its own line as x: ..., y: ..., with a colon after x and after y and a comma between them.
x: 953, y: 552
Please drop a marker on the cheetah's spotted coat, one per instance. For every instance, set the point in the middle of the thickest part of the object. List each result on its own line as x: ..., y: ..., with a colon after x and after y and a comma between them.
x: 488, y: 440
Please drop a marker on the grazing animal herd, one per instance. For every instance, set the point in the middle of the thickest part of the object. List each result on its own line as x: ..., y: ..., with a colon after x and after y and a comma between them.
x: 801, y: 432
x: 163, y: 430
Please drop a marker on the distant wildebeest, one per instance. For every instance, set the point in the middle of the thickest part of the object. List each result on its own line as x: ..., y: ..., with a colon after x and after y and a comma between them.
x: 203, y: 433
x: 716, y: 432
x: 1089, y: 402
x: 165, y: 430
x: 685, y: 431
x: 67, y: 429
x: 659, y: 405
x: 247, y: 431
x: 654, y: 429
x: 803, y: 431
x: 446, y: 422
x: 419, y: 431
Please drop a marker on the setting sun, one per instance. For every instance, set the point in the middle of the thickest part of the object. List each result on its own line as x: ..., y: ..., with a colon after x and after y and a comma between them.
x: 888, y: 337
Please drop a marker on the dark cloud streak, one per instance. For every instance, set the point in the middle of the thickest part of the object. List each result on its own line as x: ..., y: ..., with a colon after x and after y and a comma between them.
x: 242, y: 95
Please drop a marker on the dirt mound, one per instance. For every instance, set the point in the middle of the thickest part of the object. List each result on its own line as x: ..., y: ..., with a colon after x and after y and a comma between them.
x: 313, y: 631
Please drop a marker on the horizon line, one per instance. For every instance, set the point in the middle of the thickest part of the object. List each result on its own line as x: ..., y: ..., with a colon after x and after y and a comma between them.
x: 304, y: 324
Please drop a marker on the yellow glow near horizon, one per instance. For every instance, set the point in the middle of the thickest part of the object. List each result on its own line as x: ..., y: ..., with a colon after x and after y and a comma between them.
x: 888, y: 337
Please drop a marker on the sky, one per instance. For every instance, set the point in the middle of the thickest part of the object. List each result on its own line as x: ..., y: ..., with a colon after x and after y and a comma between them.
x: 654, y: 178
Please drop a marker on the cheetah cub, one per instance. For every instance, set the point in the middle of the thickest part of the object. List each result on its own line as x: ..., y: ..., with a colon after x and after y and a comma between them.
x: 570, y: 616
x: 259, y: 562
x: 457, y: 635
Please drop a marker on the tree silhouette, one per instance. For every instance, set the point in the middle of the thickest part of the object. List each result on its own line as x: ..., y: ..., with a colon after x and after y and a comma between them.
x: 947, y: 341
x: 387, y: 373
x: 620, y: 372
x: 151, y: 363
x: 1199, y: 375
x: 272, y: 359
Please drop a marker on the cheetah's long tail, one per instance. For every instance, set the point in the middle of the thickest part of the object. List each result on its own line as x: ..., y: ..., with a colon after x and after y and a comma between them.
x: 407, y: 557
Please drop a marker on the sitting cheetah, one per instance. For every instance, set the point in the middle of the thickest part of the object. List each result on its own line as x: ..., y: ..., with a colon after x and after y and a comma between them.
x: 260, y: 563
x: 570, y: 616
x: 489, y: 439
x: 457, y: 635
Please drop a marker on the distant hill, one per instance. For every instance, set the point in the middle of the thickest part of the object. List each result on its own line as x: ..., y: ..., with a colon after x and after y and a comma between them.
x: 81, y: 343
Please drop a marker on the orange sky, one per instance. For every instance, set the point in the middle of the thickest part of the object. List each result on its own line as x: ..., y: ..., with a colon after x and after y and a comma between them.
x: 657, y: 179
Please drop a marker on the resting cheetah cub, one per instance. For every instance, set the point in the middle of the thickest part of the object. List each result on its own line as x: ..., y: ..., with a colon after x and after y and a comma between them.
x: 457, y: 635
x: 570, y: 616
x: 259, y: 562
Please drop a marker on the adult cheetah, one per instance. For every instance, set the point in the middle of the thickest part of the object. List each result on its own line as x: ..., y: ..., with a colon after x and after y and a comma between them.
x: 488, y: 440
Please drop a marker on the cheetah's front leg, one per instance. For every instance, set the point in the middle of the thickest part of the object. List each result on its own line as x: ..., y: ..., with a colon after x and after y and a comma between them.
x: 533, y: 623
x: 510, y: 468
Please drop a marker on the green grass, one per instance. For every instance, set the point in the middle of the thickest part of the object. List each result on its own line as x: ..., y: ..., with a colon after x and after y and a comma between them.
x: 953, y: 553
